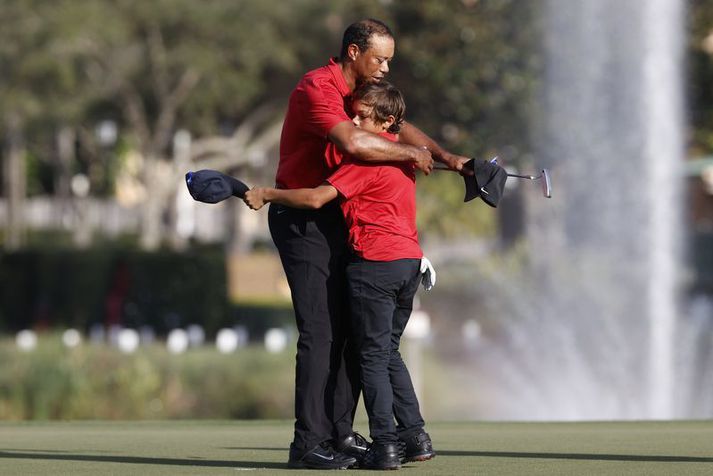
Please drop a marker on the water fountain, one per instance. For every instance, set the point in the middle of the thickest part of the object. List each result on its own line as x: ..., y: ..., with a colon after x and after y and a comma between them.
x: 594, y: 328
x: 612, y: 125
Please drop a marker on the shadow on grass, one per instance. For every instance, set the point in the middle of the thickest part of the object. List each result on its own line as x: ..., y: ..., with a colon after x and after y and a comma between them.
x: 582, y: 456
x: 141, y: 460
x: 248, y: 448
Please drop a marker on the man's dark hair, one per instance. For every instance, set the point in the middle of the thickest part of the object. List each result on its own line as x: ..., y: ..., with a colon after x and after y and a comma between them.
x: 385, y: 100
x: 360, y: 32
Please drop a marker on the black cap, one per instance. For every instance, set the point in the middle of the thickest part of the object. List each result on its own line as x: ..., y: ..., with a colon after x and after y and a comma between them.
x: 487, y: 181
x: 211, y: 186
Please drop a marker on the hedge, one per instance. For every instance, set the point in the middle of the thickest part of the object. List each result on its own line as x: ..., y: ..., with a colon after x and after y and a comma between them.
x: 58, y: 288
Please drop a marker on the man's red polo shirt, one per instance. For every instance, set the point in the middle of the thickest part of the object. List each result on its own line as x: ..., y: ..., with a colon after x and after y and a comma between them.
x: 317, y: 104
x: 379, y: 204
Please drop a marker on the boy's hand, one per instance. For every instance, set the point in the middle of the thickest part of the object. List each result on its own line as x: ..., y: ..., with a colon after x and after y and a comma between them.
x: 428, y: 274
x: 456, y: 162
x: 255, y: 198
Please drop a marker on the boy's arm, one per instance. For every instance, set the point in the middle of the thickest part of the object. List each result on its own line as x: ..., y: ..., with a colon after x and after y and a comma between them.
x: 309, y: 198
x: 411, y: 134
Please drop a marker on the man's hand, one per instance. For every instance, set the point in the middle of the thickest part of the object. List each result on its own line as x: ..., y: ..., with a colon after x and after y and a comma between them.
x: 456, y: 162
x: 255, y: 198
x: 424, y: 160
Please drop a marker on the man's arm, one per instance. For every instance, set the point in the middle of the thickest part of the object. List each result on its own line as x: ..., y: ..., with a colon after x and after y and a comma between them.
x: 309, y: 198
x: 370, y: 147
x: 411, y: 134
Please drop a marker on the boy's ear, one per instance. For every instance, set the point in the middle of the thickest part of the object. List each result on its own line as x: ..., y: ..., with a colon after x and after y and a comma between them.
x: 389, y: 121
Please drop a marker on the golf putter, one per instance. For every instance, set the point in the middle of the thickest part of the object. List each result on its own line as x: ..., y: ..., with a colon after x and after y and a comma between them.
x: 544, y: 176
x: 546, y: 183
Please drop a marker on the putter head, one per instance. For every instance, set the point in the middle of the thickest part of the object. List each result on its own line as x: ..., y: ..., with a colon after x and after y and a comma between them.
x: 546, y: 183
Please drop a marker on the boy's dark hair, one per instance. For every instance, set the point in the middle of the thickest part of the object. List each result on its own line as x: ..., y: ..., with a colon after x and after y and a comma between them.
x: 385, y: 100
x: 360, y: 32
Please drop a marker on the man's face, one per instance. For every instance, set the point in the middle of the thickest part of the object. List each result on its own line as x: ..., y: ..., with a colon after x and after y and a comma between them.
x: 364, y: 119
x: 373, y: 64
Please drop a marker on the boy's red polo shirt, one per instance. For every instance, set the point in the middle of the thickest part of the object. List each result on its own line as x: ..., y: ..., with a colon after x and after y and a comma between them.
x: 317, y: 104
x: 379, y: 204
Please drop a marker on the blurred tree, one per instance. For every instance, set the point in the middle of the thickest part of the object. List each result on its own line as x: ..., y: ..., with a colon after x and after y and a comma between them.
x: 16, y: 106
x: 174, y: 64
x: 33, y: 80
x: 700, y: 64
x: 468, y: 70
x: 222, y: 70
x: 42, y: 90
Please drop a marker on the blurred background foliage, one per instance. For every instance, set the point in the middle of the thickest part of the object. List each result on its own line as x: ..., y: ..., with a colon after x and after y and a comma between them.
x: 466, y: 67
x: 700, y: 76
x: 99, y: 382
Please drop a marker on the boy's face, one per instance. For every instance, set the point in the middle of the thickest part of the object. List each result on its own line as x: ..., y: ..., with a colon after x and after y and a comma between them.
x: 364, y: 120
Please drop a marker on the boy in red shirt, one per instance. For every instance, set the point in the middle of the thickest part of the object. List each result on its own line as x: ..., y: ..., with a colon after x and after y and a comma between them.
x: 378, y: 201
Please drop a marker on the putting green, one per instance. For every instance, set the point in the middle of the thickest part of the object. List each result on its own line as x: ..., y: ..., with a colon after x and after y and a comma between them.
x: 229, y: 447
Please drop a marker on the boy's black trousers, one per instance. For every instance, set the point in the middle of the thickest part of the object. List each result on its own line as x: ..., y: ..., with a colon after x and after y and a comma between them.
x: 381, y: 298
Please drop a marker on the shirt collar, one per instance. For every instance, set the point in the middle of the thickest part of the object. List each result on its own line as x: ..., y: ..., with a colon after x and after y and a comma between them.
x: 336, y: 70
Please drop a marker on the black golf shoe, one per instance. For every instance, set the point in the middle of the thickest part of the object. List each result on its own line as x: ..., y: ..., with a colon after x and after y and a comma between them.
x: 321, y: 456
x: 353, y: 445
x: 417, y: 448
x: 382, y: 456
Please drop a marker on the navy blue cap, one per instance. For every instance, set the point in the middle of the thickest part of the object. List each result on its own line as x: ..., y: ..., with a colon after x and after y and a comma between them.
x: 211, y: 186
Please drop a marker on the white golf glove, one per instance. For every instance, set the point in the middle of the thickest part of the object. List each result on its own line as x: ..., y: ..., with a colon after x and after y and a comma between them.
x: 428, y: 278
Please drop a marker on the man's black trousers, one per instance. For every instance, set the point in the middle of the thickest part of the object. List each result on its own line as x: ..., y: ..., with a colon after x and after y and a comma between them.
x: 381, y: 298
x: 313, y: 250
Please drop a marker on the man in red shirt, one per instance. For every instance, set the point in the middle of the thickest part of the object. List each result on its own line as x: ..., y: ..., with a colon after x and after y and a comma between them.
x: 312, y: 243
x: 383, y: 272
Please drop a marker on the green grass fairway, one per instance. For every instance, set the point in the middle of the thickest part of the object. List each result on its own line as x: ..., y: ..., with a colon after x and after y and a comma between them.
x: 232, y: 447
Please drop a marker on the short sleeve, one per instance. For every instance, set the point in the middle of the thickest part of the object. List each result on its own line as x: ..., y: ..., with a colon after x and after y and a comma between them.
x: 353, y: 179
x: 323, y: 106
